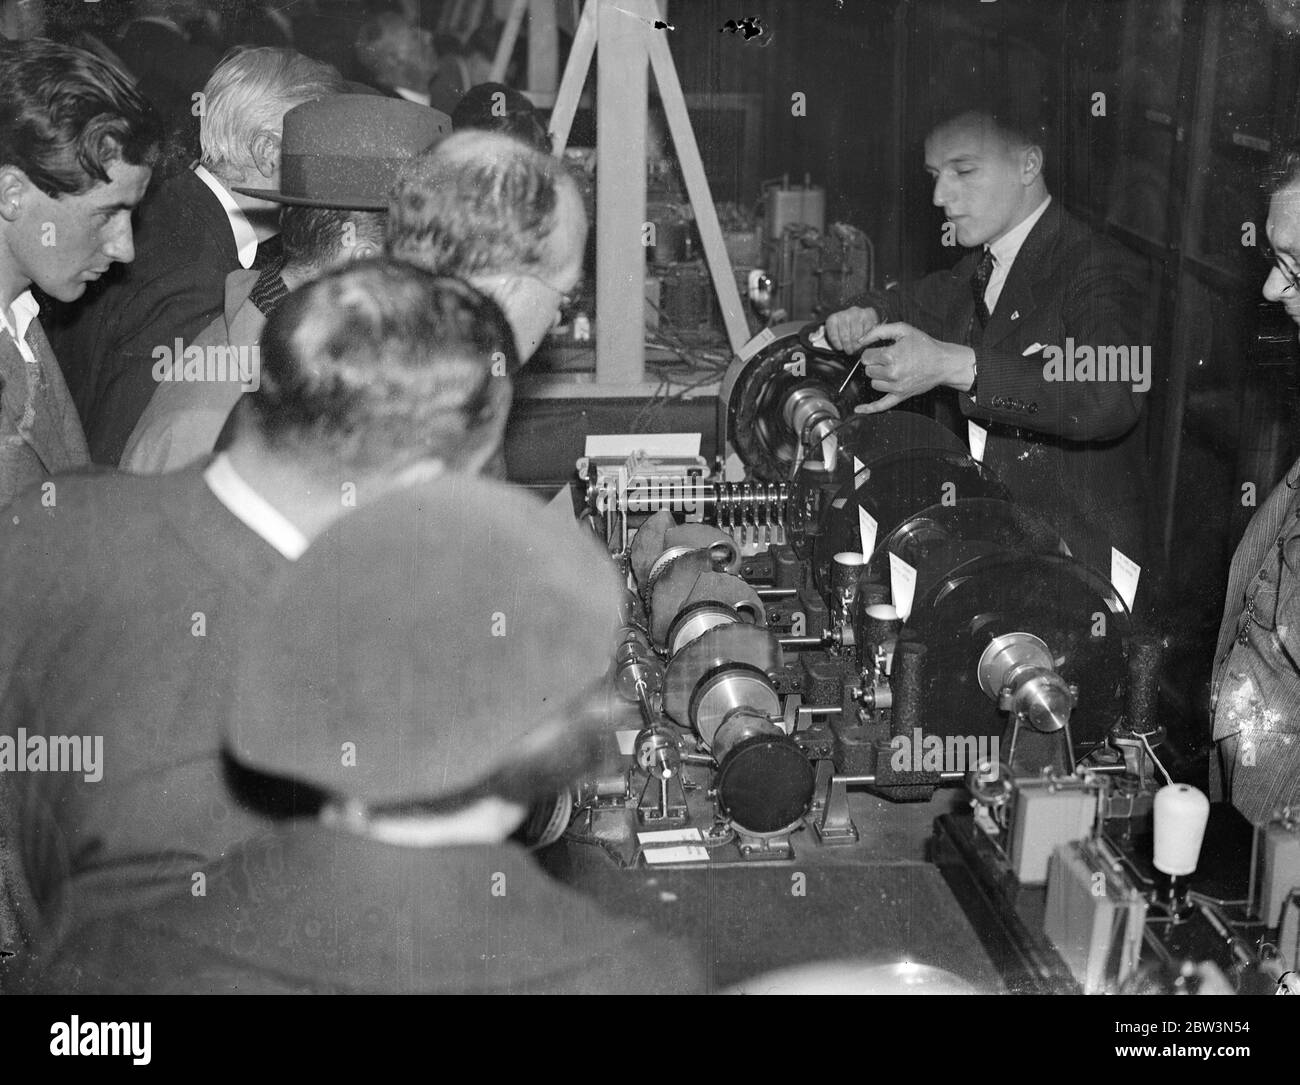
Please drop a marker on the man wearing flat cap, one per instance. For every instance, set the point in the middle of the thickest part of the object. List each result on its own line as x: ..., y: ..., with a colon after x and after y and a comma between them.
x: 339, y: 157
x: 421, y: 676
x: 123, y: 597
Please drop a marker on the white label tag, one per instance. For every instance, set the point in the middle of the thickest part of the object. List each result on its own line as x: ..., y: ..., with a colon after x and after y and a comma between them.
x: 685, y: 853
x: 860, y: 473
x: 618, y: 446
x: 671, y: 836
x: 1124, y: 574
x: 626, y: 742
x: 979, y: 437
x: 867, y: 527
x: 902, y: 580
x: 838, y: 503
x: 756, y: 344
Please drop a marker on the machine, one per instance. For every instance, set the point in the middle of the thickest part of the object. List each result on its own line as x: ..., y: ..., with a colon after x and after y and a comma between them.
x: 850, y: 601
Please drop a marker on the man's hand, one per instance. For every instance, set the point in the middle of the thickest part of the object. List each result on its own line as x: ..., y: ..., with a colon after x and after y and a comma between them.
x: 847, y: 330
x: 914, y: 363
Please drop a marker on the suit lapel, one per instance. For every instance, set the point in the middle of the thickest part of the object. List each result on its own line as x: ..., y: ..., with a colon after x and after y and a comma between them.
x: 1017, y: 295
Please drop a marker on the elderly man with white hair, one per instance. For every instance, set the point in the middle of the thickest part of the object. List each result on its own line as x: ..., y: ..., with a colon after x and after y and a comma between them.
x: 193, y: 230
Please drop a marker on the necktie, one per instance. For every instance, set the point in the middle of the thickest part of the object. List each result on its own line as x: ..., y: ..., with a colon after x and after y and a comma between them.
x: 978, y: 284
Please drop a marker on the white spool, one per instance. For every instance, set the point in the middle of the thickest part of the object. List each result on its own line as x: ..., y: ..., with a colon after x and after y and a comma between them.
x: 1181, y: 815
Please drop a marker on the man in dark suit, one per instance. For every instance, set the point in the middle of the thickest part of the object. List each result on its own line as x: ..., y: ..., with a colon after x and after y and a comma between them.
x: 1009, y: 328
x: 396, y: 862
x: 122, y: 603
x: 193, y: 231
x: 63, y: 222
x: 169, y: 67
x: 1255, y: 695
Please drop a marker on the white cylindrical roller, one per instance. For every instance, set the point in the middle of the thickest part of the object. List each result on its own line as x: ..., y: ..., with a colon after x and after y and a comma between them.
x: 1181, y: 815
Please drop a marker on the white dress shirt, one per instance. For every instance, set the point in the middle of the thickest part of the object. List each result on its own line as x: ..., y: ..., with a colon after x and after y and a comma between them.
x: 252, y: 509
x: 413, y: 96
x: 25, y: 310
x: 1004, y: 250
x: 245, y: 238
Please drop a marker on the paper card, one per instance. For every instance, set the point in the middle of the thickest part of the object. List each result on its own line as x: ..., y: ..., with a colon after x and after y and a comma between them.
x: 619, y: 446
x: 1124, y: 574
x: 979, y: 437
x: 671, y: 836
x: 860, y: 473
x: 1065, y: 549
x: 902, y: 579
x: 756, y: 344
x: 626, y: 742
x: 684, y: 853
x: 838, y: 503
x: 867, y: 527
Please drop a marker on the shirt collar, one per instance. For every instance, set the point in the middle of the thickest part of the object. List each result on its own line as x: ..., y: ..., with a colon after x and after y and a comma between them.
x: 252, y: 509
x: 413, y: 96
x: 25, y: 309
x: 245, y: 238
x: 1006, y: 248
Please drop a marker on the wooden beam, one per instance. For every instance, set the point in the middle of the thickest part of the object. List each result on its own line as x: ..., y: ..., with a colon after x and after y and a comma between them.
x: 575, y: 78
x: 506, y: 46
x: 543, y: 46
x: 697, y: 186
x: 622, y: 98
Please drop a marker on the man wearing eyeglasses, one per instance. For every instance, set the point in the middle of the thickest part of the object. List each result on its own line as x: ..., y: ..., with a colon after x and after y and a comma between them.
x: 1255, y: 692
x: 505, y: 217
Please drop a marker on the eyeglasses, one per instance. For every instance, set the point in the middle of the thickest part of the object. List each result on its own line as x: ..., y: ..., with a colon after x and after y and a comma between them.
x: 1277, y: 260
x: 566, y: 300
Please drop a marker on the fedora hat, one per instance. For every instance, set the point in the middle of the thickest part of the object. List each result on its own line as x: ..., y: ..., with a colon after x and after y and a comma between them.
x: 424, y: 641
x: 344, y: 151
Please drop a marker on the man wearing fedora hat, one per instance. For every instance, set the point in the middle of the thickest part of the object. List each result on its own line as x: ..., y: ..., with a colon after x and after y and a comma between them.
x: 122, y: 595
x: 193, y: 230
x: 339, y: 156
x: 402, y: 698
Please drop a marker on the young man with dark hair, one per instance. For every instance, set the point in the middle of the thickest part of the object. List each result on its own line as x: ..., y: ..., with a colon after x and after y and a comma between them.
x: 77, y: 147
x: 1036, y: 285
x: 122, y: 603
x: 195, y: 229
x: 1255, y: 691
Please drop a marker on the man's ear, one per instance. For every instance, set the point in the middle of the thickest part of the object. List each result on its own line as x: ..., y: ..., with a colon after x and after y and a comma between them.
x: 265, y: 150
x: 1033, y: 166
x: 364, y: 250
x: 14, y: 187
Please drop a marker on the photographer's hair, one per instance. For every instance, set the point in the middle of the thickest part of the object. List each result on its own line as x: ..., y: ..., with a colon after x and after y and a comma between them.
x: 377, y: 364
x: 248, y: 93
x: 477, y: 203
x: 66, y: 116
x: 312, y: 237
x: 1283, y: 168
x: 494, y: 107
